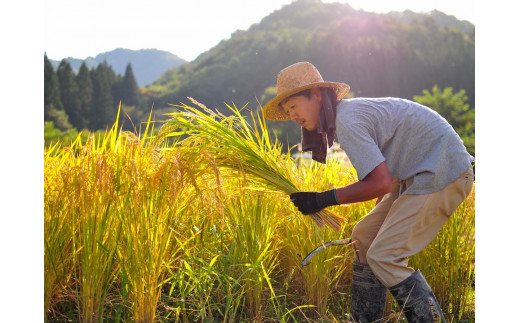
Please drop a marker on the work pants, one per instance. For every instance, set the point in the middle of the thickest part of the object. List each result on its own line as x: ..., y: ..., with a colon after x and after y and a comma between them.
x: 401, y: 225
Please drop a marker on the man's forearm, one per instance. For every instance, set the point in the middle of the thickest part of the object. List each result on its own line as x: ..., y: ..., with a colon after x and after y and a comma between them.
x: 361, y: 192
x: 376, y: 184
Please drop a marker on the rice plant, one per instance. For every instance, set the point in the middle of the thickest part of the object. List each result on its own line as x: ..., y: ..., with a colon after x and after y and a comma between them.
x: 325, y: 270
x: 254, y: 246
x: 58, y: 248
x: 149, y: 211
x: 448, y: 263
x: 200, y: 229
x: 86, y: 197
x: 111, y: 205
x: 241, y: 146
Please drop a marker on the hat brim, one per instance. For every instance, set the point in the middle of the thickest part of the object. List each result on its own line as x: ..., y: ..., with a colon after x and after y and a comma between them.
x: 273, y: 111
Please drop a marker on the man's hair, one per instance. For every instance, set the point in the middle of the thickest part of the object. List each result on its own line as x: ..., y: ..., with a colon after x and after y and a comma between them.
x: 331, y: 94
x: 326, y: 91
x: 306, y: 92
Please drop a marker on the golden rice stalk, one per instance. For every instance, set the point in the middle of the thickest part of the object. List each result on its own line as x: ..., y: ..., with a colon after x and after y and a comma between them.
x: 236, y: 144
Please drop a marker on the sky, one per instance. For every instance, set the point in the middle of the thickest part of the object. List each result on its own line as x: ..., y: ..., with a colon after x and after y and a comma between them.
x: 79, y: 29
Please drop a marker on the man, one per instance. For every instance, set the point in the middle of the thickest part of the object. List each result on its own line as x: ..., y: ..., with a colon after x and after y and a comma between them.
x: 407, y: 156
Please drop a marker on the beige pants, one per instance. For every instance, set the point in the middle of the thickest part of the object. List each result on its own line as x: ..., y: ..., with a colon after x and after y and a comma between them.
x: 401, y: 225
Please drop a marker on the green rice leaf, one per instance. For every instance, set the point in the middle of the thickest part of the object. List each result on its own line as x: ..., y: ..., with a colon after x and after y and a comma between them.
x: 240, y: 145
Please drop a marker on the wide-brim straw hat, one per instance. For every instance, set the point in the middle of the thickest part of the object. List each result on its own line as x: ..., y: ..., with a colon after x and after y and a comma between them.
x: 296, y: 78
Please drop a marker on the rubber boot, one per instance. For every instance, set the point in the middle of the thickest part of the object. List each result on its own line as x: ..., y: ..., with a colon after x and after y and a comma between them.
x: 416, y: 299
x: 368, y: 295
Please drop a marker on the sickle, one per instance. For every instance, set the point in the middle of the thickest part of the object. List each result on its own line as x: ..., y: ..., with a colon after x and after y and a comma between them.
x: 323, y: 246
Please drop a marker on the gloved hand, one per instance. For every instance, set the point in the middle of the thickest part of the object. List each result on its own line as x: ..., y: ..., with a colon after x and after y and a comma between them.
x: 309, y: 202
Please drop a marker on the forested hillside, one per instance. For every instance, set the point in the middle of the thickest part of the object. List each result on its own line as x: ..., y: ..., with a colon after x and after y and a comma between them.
x: 395, y: 54
x: 434, y: 17
x: 377, y: 55
x: 90, y: 98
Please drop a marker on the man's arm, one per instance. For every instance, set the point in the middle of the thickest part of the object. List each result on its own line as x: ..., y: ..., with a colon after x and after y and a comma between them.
x: 375, y: 185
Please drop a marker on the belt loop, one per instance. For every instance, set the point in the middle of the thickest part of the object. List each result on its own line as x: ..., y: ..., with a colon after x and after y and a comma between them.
x: 404, y: 185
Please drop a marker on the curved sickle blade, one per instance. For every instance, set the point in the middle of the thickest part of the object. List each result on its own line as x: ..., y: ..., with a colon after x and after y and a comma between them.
x: 323, y: 246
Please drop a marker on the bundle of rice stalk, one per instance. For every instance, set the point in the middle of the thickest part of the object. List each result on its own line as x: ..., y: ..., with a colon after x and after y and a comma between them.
x: 236, y: 144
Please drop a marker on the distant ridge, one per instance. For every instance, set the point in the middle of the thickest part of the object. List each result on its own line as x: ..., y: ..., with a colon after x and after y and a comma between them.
x: 147, y: 64
x: 400, y: 54
x: 440, y: 18
x: 378, y: 54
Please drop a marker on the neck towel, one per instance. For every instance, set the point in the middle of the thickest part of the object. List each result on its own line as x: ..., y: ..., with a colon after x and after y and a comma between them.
x: 319, y: 140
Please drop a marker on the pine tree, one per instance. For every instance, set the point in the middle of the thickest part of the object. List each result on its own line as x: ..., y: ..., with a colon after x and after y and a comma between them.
x: 84, y: 82
x: 102, y: 109
x: 70, y: 94
x: 52, y: 105
x: 131, y: 94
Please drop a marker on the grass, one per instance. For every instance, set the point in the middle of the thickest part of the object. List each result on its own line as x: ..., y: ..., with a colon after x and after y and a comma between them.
x: 181, y: 227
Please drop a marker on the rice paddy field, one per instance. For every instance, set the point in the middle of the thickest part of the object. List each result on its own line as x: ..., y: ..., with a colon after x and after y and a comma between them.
x: 191, y: 221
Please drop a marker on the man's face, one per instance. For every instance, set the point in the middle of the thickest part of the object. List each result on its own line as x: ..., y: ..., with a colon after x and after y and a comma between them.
x: 303, y: 110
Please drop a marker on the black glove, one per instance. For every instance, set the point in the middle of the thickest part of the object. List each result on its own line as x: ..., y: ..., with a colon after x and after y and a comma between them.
x: 312, y: 202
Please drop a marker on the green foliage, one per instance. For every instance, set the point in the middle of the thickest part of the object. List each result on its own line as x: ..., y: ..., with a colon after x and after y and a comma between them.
x: 52, y: 105
x: 455, y: 109
x: 85, y: 92
x: 70, y: 94
x: 130, y: 91
x: 269, y: 93
x: 103, y: 106
x: 377, y: 55
x: 53, y: 135
x: 90, y: 98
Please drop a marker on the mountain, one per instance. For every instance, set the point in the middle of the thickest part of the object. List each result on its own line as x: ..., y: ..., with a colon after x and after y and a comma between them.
x: 437, y: 17
x: 395, y: 54
x: 147, y: 64
x: 377, y: 54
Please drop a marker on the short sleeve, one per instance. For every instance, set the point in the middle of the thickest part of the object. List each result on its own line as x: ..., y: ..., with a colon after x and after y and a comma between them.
x: 360, y: 147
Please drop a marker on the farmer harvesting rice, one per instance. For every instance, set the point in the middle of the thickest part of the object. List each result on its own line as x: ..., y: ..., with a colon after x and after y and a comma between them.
x: 407, y: 156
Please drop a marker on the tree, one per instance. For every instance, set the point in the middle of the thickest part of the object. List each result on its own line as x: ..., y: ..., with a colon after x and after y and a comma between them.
x: 52, y: 106
x: 69, y: 94
x: 84, y: 83
x: 102, y: 109
x: 455, y: 110
x: 131, y: 95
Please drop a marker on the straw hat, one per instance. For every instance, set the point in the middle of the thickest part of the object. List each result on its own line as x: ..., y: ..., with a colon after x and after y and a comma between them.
x: 293, y: 79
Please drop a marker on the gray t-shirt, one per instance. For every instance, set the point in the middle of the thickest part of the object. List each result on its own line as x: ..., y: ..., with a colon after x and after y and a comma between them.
x: 413, y: 140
